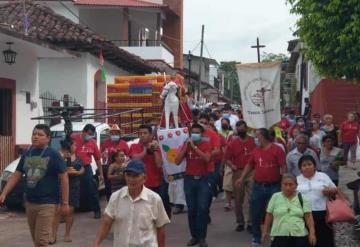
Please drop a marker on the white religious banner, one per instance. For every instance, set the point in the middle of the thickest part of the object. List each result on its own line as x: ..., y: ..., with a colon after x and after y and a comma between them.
x: 171, y: 141
x: 260, y: 93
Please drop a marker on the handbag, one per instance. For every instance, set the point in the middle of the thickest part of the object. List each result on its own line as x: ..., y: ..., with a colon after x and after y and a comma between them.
x: 339, y: 209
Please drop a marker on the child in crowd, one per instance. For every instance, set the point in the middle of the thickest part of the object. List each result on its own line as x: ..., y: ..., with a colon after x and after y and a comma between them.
x: 75, y: 169
x: 116, y: 171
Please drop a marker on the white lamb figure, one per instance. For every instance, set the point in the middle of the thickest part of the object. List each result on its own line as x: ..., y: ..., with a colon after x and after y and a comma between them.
x: 171, y: 103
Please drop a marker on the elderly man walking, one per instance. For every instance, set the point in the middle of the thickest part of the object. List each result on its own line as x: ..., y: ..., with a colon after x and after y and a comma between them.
x: 137, y: 213
x: 302, y: 148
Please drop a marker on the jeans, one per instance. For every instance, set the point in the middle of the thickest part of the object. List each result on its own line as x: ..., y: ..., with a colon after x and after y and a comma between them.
x: 215, y: 180
x: 89, y: 189
x: 162, y: 191
x: 261, y: 195
x: 350, y: 147
x: 197, y: 193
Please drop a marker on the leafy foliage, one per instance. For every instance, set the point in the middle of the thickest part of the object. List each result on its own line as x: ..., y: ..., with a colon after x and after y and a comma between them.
x: 270, y: 57
x: 331, y: 31
x: 231, y: 80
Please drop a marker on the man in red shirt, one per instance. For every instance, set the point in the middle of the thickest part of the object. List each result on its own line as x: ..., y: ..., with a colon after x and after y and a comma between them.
x: 86, y: 148
x: 197, y: 153
x: 110, y: 146
x: 349, y: 132
x: 214, y: 168
x: 237, y: 156
x: 148, y: 151
x: 269, y: 163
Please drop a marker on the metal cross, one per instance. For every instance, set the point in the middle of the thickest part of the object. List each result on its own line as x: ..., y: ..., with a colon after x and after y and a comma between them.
x: 258, y: 46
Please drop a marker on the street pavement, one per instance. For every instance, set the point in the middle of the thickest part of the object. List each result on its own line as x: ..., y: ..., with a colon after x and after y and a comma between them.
x: 14, y: 230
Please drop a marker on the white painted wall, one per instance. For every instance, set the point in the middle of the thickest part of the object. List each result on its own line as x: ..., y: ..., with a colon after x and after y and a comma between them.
x: 154, y: 1
x: 313, y: 77
x: 74, y: 76
x: 61, y: 76
x: 92, y: 66
x: 151, y: 53
x: 25, y: 72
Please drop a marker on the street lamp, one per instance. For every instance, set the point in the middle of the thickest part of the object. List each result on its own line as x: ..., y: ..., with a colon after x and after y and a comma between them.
x: 189, y: 62
x: 9, y: 55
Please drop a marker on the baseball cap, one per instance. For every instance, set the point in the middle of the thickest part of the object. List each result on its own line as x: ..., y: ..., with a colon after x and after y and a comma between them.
x: 136, y: 166
x: 115, y: 127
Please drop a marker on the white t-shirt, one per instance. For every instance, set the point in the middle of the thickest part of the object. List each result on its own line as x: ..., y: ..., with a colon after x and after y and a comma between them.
x: 136, y: 221
x: 312, y: 189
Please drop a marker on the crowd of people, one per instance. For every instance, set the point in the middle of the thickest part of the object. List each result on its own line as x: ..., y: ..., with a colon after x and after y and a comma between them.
x: 278, y: 178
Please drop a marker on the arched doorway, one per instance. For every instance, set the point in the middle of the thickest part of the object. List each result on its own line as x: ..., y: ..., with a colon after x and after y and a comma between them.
x: 99, y: 91
x: 7, y: 121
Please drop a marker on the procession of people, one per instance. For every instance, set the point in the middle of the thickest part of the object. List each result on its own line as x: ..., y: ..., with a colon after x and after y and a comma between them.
x: 281, y: 182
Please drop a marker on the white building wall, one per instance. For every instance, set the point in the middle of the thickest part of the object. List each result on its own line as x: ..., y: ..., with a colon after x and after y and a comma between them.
x: 313, y: 77
x: 74, y: 76
x: 25, y: 73
x: 92, y: 66
x: 61, y: 76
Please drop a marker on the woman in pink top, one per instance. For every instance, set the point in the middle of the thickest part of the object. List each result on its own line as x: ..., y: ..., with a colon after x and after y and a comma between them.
x: 349, y: 131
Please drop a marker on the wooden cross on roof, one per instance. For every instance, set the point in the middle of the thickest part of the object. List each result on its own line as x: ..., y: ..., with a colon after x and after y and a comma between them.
x: 258, y: 46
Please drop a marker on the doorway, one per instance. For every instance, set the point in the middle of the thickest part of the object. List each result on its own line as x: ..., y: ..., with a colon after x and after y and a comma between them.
x: 7, y: 122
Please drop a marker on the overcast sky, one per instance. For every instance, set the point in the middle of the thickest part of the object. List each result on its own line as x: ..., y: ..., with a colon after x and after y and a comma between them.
x: 231, y: 27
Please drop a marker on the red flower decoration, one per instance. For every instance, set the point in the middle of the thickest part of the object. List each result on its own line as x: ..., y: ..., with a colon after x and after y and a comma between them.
x: 161, y: 137
x: 185, y: 130
x: 170, y: 135
x: 178, y: 132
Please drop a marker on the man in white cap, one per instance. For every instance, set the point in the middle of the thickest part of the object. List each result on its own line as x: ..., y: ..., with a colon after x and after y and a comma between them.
x: 110, y: 146
x: 137, y: 213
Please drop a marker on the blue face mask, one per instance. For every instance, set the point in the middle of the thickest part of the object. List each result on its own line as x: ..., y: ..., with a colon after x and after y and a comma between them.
x: 114, y: 138
x: 257, y: 141
x: 88, y: 137
x: 195, y: 137
x: 226, y: 115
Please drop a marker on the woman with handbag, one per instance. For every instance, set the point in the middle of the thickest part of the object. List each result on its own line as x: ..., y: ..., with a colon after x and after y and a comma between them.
x: 290, y: 216
x: 317, y: 187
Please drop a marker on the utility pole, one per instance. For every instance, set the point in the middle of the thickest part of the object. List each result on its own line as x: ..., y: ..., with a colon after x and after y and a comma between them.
x: 201, y: 61
x: 258, y: 46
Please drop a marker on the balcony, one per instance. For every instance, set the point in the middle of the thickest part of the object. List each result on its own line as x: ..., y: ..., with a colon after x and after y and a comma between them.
x: 148, y: 49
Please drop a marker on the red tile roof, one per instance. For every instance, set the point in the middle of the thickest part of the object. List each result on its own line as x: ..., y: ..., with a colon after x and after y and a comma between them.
x: 50, y: 29
x: 121, y: 3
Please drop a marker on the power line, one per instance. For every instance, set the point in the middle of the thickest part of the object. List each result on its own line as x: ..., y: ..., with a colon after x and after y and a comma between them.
x: 207, y: 50
x: 197, y: 46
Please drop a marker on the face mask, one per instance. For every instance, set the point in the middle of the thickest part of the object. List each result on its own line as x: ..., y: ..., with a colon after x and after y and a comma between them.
x: 224, y: 126
x: 195, y: 137
x: 301, y: 123
x: 242, y: 134
x: 257, y: 142
x: 115, y: 138
x: 88, y: 137
x: 226, y: 115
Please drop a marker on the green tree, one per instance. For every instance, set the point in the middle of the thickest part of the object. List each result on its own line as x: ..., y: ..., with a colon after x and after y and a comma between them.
x: 231, y: 79
x: 270, y: 57
x: 330, y: 30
